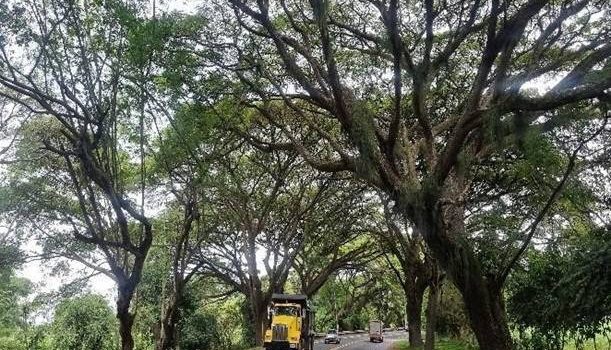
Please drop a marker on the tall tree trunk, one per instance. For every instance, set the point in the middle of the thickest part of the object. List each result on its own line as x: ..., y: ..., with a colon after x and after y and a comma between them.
x: 431, y: 315
x: 168, y: 324
x: 260, y: 328
x: 126, y: 319
x: 444, y: 234
x: 483, y: 302
x: 259, y: 320
x: 486, y: 311
x: 414, y: 295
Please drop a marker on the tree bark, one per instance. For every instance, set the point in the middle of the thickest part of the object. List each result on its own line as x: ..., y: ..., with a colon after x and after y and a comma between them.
x: 431, y: 316
x: 414, y: 295
x: 259, y: 320
x: 260, y: 328
x: 483, y: 300
x: 126, y: 319
x: 443, y: 232
x: 169, y: 319
x: 487, y: 317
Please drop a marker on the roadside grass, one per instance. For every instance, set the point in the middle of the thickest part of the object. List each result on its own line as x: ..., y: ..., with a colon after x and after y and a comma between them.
x: 400, y: 345
x: 601, y: 343
x: 449, y: 344
x: 442, y: 344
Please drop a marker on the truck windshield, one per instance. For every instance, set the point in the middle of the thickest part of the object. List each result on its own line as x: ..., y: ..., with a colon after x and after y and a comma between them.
x: 286, y: 311
x: 332, y: 331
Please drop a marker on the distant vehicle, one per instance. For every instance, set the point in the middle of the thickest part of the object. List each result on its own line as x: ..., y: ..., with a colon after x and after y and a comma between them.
x: 332, y: 337
x: 376, y: 331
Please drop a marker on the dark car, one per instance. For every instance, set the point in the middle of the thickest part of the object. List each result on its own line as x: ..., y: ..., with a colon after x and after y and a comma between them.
x: 332, y: 337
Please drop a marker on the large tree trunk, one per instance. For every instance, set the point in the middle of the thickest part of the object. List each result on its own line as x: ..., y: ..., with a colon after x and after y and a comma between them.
x: 126, y: 319
x: 260, y: 325
x: 443, y: 231
x: 483, y: 302
x: 431, y: 316
x: 259, y: 321
x: 414, y: 296
x: 486, y: 311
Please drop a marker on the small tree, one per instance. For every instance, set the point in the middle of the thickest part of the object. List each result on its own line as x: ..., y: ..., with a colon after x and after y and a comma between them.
x: 84, y: 323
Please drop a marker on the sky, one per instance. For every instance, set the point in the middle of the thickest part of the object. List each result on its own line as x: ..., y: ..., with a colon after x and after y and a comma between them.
x: 186, y: 6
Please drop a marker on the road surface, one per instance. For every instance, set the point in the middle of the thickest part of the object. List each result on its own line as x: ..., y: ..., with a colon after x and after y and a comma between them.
x: 361, y: 342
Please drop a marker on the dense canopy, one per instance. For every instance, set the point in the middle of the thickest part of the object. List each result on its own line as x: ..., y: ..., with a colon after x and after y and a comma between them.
x: 441, y: 166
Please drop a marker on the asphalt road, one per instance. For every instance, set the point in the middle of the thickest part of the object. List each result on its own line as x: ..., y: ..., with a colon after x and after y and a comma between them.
x: 361, y: 342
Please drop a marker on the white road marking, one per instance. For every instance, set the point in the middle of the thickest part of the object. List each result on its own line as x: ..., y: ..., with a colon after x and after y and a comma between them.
x: 390, y: 337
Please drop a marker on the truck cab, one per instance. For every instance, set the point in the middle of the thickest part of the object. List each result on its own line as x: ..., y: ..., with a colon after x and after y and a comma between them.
x: 290, y: 322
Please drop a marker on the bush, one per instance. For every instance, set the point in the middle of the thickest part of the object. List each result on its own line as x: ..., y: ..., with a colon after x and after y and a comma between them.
x: 84, y: 323
x: 199, y: 331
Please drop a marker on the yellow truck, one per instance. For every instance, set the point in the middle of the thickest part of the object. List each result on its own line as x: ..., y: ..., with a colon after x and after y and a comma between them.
x: 290, y: 323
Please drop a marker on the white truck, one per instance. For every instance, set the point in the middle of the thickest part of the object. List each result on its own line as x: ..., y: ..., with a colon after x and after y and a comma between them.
x: 376, y: 331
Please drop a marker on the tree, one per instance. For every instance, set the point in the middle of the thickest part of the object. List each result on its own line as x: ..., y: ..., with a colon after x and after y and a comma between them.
x: 200, y: 328
x: 263, y: 209
x: 563, y: 291
x: 171, y: 269
x: 410, y: 102
x: 73, y: 73
x: 198, y: 319
x: 10, y: 119
x: 414, y: 271
x: 184, y: 171
x: 322, y: 258
x: 354, y: 296
x: 11, y: 256
x: 181, y: 247
x: 85, y: 322
x: 256, y: 209
x: 13, y: 291
x: 342, y: 241
x: 433, y: 306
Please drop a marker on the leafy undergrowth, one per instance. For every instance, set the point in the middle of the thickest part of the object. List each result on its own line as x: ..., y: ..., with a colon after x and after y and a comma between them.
x: 448, y: 344
x: 601, y: 343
